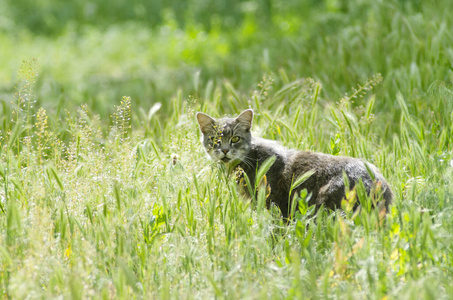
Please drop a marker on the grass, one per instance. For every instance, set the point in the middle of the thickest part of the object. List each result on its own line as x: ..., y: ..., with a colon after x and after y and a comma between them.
x: 104, y: 196
x: 116, y: 215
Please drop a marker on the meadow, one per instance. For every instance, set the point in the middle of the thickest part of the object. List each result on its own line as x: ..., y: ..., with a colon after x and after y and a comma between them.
x: 106, y: 191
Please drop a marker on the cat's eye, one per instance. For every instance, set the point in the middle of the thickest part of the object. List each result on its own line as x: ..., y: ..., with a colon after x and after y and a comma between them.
x: 235, y: 139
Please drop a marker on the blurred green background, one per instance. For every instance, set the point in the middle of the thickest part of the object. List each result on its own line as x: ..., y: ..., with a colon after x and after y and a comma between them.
x: 94, y: 52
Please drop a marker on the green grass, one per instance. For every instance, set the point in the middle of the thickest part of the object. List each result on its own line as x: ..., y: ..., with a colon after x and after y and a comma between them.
x: 105, y: 196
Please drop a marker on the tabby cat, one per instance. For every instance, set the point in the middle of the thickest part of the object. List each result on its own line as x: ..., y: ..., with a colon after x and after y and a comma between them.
x: 229, y: 140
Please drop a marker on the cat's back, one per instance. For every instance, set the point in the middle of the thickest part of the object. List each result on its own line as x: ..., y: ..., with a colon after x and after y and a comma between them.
x: 297, y: 161
x: 329, y: 165
x: 320, y: 161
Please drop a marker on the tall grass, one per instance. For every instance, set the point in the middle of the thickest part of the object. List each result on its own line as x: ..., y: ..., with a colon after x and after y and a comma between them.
x: 135, y: 209
x: 106, y: 196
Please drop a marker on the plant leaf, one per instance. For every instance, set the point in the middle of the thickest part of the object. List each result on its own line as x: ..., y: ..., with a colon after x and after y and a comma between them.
x: 267, y: 164
x: 302, y: 178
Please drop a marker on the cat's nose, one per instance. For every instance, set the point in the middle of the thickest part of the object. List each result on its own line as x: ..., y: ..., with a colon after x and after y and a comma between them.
x: 225, y: 151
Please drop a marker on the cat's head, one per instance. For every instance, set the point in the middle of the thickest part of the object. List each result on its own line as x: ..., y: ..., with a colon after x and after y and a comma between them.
x: 226, y: 139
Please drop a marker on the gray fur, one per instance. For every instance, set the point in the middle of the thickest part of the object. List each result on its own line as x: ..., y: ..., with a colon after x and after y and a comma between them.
x: 326, y: 185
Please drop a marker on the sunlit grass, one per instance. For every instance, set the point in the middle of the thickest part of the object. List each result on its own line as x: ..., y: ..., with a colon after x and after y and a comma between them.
x: 104, y: 195
x: 128, y: 210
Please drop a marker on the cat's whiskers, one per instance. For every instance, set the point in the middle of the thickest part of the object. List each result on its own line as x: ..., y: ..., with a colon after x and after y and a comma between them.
x: 248, y: 162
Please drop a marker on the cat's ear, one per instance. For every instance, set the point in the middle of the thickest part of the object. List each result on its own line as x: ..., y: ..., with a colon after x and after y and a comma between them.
x: 246, y: 118
x: 205, y: 122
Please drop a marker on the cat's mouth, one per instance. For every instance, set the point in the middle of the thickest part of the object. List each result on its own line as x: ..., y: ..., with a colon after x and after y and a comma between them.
x: 226, y: 159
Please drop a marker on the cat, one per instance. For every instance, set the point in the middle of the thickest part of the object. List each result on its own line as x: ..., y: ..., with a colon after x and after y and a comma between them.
x: 230, y: 141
